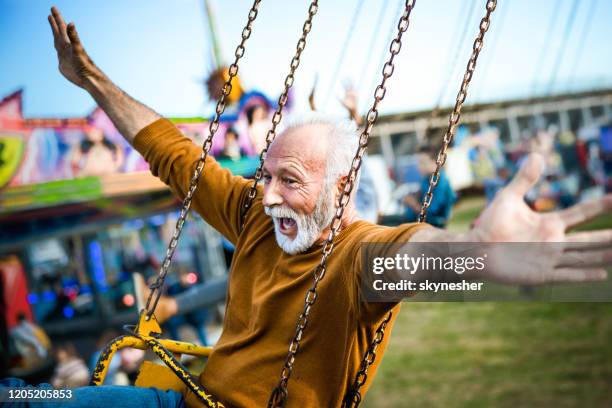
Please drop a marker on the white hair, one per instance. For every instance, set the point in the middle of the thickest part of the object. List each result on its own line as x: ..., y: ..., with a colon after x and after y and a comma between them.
x: 343, y: 141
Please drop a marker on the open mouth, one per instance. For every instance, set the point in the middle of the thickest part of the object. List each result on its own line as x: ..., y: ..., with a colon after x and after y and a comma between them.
x: 287, y: 226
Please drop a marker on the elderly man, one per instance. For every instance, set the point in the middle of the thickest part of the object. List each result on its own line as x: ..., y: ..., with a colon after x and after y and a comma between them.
x: 280, y: 244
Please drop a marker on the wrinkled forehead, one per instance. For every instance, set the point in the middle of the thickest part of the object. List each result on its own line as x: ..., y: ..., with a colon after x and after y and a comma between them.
x: 305, y: 147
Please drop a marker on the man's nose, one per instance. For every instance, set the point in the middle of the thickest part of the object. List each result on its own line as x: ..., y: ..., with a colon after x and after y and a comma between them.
x: 271, y: 195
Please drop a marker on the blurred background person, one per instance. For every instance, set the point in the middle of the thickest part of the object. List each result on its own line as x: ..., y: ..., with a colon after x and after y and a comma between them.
x: 258, y: 125
x: 606, y: 156
x: 195, y: 319
x: 96, y: 155
x: 31, y: 341
x: 444, y: 196
x: 71, y: 371
x: 231, y: 146
x: 366, y: 200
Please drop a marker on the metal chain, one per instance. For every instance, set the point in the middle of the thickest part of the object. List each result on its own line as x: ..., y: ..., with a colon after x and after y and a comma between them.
x: 353, y: 395
x: 280, y: 392
x: 282, y: 101
x: 455, y: 115
x: 156, y: 286
x: 352, y: 398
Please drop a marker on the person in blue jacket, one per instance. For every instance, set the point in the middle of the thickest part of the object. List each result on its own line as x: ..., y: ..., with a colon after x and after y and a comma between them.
x: 443, y: 198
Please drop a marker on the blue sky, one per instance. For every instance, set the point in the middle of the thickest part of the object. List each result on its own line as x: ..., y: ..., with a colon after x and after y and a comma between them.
x: 159, y: 51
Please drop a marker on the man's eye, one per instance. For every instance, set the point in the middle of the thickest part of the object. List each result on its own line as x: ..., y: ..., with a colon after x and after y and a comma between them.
x: 289, y: 181
x: 267, y: 178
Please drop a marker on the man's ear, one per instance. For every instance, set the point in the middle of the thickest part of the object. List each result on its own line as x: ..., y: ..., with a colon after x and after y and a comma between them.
x: 340, y: 187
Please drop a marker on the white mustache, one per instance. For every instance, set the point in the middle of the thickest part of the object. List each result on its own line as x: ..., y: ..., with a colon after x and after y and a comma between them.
x: 309, y: 226
x: 281, y: 212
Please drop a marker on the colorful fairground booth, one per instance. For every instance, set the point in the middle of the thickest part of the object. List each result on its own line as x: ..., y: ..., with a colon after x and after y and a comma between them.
x: 80, y: 212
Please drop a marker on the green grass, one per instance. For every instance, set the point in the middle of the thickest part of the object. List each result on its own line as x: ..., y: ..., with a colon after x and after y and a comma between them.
x: 497, y: 354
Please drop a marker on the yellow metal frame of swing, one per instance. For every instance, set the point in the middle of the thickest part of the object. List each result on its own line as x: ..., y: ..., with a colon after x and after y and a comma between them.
x: 168, y: 351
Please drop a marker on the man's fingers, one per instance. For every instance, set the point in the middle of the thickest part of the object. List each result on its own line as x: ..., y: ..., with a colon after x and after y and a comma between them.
x: 54, y: 29
x: 575, y: 275
x: 59, y: 21
x: 528, y: 175
x: 585, y: 211
x: 586, y: 259
x: 589, y: 239
x: 74, y: 37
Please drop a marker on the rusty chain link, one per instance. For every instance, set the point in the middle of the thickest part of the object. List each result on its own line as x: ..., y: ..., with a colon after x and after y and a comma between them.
x: 455, y: 115
x: 156, y: 286
x: 280, y: 392
x: 282, y: 101
x: 352, y: 398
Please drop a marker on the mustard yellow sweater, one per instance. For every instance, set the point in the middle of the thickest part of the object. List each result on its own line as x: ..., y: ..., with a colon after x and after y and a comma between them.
x: 267, y: 288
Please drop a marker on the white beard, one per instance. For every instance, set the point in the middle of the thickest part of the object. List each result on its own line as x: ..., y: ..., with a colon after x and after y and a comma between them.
x: 309, y: 227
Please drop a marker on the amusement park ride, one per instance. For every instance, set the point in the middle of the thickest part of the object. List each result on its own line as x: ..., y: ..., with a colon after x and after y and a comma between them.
x: 35, y: 200
x: 147, y: 332
x: 56, y: 196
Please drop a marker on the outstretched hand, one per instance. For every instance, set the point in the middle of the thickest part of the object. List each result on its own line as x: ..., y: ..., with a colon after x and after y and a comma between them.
x: 74, y: 63
x: 582, y: 256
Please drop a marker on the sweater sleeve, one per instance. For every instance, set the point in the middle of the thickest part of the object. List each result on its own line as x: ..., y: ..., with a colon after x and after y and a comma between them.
x: 387, y: 238
x: 172, y: 158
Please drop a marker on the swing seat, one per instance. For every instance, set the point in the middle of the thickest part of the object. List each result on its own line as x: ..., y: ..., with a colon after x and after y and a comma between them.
x: 161, y: 377
x: 148, y: 370
x: 158, y: 376
x: 177, y: 348
x: 173, y: 376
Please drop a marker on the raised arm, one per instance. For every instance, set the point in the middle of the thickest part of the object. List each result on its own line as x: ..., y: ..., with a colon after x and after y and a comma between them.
x: 127, y: 114
x: 171, y: 156
x: 350, y: 103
